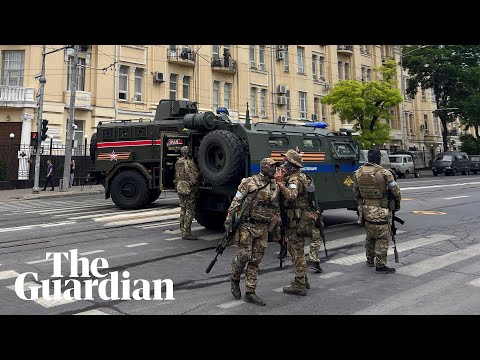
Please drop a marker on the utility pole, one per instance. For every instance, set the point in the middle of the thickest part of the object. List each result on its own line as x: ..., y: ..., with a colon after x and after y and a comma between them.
x: 43, y: 80
x: 404, y: 120
x: 70, y: 122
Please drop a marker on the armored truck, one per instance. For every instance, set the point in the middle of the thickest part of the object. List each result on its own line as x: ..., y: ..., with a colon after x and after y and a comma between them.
x: 135, y: 159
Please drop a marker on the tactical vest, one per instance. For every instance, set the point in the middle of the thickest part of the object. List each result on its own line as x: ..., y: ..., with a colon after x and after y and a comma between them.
x: 262, y: 209
x: 181, y: 172
x: 302, y: 198
x: 371, y: 182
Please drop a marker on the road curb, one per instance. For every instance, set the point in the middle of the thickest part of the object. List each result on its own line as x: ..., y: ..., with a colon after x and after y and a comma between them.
x: 67, y: 194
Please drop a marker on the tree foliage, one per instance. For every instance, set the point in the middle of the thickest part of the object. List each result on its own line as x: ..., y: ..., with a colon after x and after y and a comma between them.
x: 448, y: 70
x: 470, y: 144
x: 367, y: 103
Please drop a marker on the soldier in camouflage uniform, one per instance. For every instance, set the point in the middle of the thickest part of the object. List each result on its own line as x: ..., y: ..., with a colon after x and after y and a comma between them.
x: 186, y: 179
x: 293, y: 187
x: 377, y: 192
x: 260, y: 194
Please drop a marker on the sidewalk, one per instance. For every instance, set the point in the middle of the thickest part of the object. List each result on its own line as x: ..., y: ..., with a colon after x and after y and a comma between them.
x: 27, y: 194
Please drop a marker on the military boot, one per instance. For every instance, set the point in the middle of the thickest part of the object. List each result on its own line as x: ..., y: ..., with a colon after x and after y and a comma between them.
x: 254, y: 299
x: 295, y: 289
x: 385, y: 270
x: 370, y: 263
x: 237, y: 294
x: 315, y: 266
x: 189, y: 237
x: 307, y: 284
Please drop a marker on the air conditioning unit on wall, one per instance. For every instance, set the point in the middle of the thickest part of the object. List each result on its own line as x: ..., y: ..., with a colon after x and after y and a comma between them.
x: 158, y: 77
x: 282, y: 100
x: 282, y: 119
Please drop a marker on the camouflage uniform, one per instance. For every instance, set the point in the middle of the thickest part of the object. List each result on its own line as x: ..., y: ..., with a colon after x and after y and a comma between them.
x: 252, y: 234
x: 294, y: 193
x: 371, y: 184
x: 186, y: 171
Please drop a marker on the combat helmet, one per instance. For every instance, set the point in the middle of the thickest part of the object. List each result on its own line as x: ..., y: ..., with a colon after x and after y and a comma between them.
x: 184, y: 150
x: 293, y: 157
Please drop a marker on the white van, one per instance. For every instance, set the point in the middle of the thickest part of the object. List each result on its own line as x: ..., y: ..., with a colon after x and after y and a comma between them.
x: 403, y: 165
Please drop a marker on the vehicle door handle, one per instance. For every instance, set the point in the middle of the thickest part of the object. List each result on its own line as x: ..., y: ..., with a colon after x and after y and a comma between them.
x: 337, y: 168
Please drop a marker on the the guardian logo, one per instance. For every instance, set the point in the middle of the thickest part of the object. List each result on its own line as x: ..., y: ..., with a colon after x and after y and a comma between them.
x: 117, y: 287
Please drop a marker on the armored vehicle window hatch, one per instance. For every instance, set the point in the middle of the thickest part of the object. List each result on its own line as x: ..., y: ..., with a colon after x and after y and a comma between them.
x: 276, y: 141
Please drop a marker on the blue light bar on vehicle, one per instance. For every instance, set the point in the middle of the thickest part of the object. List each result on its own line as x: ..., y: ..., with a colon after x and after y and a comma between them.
x: 318, y: 124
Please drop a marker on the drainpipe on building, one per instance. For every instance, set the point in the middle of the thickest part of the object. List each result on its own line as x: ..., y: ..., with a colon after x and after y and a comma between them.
x: 272, y: 53
x: 115, y: 83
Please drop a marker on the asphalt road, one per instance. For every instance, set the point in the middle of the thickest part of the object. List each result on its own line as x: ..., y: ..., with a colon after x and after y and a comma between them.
x: 438, y: 272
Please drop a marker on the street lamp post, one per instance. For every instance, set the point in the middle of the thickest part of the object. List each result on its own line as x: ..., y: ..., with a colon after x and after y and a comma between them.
x: 51, y: 144
x: 10, y: 162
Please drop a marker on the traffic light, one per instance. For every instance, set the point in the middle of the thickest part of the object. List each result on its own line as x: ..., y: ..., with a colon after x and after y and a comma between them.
x: 44, y: 130
x: 33, y: 139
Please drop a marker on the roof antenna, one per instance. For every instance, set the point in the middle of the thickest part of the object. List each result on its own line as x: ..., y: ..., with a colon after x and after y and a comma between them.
x: 247, y: 119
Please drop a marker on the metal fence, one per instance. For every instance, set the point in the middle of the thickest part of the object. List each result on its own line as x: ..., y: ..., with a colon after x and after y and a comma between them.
x: 17, y: 162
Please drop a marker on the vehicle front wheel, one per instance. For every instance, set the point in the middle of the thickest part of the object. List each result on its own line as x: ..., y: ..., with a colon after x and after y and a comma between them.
x: 435, y: 173
x: 129, y: 190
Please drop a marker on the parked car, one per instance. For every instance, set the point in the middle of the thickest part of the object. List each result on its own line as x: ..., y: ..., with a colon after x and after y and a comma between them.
x: 384, y: 162
x: 451, y: 163
x: 474, y: 163
x: 403, y: 165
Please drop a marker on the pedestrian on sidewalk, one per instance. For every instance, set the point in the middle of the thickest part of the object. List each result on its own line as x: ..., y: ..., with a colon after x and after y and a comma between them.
x: 72, y: 172
x: 49, y: 180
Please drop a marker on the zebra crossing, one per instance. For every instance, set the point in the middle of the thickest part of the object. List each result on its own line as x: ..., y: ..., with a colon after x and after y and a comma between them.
x: 343, y: 264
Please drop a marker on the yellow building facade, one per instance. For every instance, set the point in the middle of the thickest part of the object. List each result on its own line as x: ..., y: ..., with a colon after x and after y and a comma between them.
x: 280, y: 83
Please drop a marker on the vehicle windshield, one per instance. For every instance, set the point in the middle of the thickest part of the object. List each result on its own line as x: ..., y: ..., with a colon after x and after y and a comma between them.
x: 344, y: 149
x: 444, y: 158
x: 475, y: 158
x: 395, y: 159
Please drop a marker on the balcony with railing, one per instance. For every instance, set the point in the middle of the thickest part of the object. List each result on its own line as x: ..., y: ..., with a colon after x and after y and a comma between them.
x: 345, y: 49
x: 83, y: 99
x: 219, y: 64
x: 181, y: 56
x: 17, y: 96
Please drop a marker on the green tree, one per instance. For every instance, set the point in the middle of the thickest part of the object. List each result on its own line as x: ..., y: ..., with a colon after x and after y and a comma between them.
x: 367, y: 103
x: 446, y: 69
x: 470, y: 144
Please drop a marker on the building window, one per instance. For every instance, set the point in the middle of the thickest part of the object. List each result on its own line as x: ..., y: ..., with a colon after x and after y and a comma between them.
x: 347, y: 71
x: 322, y: 68
x: 433, y: 95
x: 263, y: 103
x: 138, y: 84
x: 78, y: 133
x: 12, y: 67
x: 303, y: 104
x: 288, y: 104
x: 173, y: 86
x: 215, y: 97
x: 253, y: 101
x: 186, y: 87
x: 215, y: 51
x: 301, y: 60
x: 261, y: 57
x: 80, y: 74
x: 286, y: 65
x: 340, y: 68
x: 123, y: 83
x: 316, y: 107
x: 410, y: 121
x: 369, y: 74
x: 364, y: 73
x: 314, y: 67
x: 435, y: 125
x: 425, y: 122
x: 424, y: 96
x: 252, y: 56
x: 324, y: 112
x: 227, y: 89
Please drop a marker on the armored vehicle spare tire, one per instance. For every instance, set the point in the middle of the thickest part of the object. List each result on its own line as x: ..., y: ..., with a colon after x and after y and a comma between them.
x: 129, y: 190
x: 221, y: 158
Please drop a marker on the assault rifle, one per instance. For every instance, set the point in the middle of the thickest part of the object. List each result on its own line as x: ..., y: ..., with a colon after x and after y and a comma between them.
x: 394, y: 232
